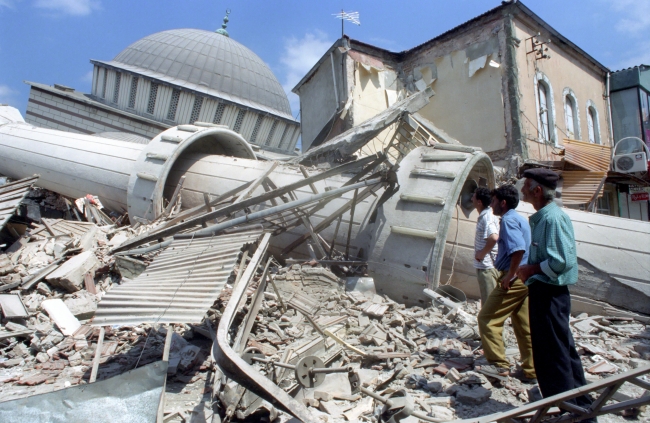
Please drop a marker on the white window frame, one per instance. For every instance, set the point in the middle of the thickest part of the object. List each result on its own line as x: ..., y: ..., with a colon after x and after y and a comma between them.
x: 540, y: 78
x: 591, y: 106
x: 568, y: 92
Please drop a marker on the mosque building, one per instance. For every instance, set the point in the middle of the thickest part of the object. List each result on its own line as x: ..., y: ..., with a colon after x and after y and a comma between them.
x: 169, y: 78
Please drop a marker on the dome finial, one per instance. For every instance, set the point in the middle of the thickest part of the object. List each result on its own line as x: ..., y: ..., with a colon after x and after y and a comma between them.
x: 222, y: 30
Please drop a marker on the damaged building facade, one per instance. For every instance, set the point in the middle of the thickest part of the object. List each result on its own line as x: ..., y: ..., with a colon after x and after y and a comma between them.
x: 505, y: 81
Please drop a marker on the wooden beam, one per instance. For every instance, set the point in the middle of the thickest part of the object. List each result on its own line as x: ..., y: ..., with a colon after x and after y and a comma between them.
x: 175, y: 196
x: 98, y: 356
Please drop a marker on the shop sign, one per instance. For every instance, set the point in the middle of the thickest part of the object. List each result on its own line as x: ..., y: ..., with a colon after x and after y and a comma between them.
x: 640, y: 196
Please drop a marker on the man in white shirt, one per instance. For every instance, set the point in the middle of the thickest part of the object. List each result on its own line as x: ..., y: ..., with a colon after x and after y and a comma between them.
x: 485, y: 243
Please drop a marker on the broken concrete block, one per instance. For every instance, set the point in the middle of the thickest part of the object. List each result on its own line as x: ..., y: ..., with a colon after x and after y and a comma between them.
x: 363, y: 407
x: 453, y: 375
x: 323, y: 396
x: 11, y: 363
x: 15, y: 327
x: 42, y: 357
x: 43, y: 288
x: 475, y: 396
x: 128, y: 267
x: 61, y: 315
x: 330, y: 408
x: 21, y: 350
x: 82, y: 304
x: 70, y: 275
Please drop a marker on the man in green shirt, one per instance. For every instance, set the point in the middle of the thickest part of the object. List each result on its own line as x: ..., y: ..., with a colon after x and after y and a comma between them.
x: 552, y: 266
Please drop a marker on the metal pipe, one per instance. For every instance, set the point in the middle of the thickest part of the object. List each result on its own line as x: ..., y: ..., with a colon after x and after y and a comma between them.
x: 211, y: 230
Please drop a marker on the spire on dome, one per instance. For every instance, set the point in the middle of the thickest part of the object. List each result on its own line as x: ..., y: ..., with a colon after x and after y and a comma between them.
x: 222, y: 30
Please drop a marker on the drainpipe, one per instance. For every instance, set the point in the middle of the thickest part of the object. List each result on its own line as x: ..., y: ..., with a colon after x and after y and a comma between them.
x: 609, y: 114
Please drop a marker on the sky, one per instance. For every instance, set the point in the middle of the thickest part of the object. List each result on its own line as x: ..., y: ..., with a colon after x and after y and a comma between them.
x: 52, y: 41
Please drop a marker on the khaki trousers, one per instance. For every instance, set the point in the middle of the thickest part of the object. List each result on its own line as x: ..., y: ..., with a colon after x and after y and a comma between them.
x: 487, y: 281
x: 500, y: 305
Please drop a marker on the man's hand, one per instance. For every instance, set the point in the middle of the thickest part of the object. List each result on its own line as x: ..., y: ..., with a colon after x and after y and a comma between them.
x: 527, y: 270
x: 479, y: 256
x: 507, y: 280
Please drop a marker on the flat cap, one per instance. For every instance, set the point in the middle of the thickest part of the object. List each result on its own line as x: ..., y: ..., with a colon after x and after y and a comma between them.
x: 545, y: 177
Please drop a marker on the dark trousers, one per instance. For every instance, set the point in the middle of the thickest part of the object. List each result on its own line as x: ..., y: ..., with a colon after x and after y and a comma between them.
x: 557, y: 363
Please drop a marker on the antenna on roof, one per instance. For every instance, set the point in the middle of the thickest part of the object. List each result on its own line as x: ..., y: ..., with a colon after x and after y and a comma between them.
x: 222, y: 30
x: 347, y: 16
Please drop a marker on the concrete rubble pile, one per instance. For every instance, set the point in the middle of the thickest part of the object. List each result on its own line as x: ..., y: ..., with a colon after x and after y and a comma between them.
x: 53, y: 277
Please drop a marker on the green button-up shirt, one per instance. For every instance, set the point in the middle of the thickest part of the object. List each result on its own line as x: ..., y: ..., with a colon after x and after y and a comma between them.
x: 553, y: 247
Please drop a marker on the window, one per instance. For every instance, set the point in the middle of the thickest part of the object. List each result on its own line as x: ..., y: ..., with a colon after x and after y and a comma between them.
x: 153, y: 93
x: 218, y: 113
x: 105, y: 82
x: 256, y: 128
x: 545, y: 109
x: 196, y: 109
x: 116, y: 90
x: 543, y: 112
x: 571, y: 115
x: 239, y: 120
x: 173, y: 105
x: 569, y: 111
x: 592, y: 123
x: 269, y: 137
x: 132, y: 92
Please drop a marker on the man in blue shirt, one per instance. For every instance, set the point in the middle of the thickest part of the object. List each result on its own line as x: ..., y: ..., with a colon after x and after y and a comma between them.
x: 552, y: 266
x: 510, y: 298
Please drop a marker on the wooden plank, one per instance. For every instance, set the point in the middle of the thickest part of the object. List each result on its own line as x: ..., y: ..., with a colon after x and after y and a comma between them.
x: 175, y: 197
x: 89, y: 281
x: 98, y: 356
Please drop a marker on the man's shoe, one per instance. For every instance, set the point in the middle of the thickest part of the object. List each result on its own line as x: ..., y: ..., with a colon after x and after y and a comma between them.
x: 491, y: 369
x: 519, y: 374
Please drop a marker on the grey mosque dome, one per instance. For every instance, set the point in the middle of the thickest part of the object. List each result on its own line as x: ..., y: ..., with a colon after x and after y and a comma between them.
x: 206, y: 62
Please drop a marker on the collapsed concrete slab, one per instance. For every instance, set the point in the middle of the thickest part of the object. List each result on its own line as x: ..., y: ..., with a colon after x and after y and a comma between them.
x: 70, y: 276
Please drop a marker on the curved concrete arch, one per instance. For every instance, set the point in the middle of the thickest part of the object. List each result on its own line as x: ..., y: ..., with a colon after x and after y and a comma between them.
x: 147, y: 183
x: 412, y: 248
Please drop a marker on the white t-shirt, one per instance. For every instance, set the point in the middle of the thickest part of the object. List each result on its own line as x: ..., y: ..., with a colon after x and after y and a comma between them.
x: 486, y: 225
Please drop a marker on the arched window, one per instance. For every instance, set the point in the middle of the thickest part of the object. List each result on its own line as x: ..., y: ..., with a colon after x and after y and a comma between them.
x: 545, y: 109
x: 592, y: 123
x: 543, y: 112
x: 571, y: 114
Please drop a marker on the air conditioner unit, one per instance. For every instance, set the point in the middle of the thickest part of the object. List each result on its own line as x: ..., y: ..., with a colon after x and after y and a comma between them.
x: 631, y: 162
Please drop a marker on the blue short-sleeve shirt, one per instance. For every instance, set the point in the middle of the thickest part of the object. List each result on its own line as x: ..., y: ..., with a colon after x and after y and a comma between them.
x: 514, y: 235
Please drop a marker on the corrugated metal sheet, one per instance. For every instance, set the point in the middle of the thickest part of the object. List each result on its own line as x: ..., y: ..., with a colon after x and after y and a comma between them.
x: 179, y: 286
x: 11, y: 195
x: 63, y: 227
x: 594, y: 157
x: 579, y: 187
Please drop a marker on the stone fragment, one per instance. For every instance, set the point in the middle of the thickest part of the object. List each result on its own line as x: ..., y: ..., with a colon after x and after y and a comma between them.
x: 82, y: 304
x: 15, y: 327
x: 21, y: 350
x: 11, y: 363
x: 364, y: 406
x: 434, y: 386
x: 70, y: 275
x: 43, y: 288
x: 323, y: 396
x: 453, y: 375
x: 42, y: 357
x: 475, y: 396
x: 330, y: 408
x: 189, y: 356
x: 311, y: 402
